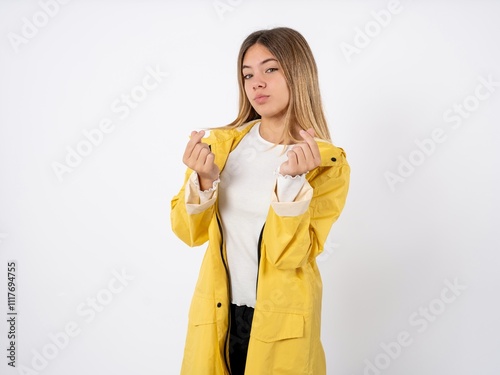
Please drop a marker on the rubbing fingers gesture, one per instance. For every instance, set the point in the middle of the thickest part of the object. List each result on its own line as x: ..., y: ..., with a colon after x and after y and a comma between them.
x: 303, y: 157
x: 199, y: 158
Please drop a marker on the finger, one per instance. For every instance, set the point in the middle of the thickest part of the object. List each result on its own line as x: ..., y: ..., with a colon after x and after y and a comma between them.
x: 305, y: 158
x: 209, y: 168
x: 307, y: 135
x: 308, y: 138
x: 201, y: 158
x: 300, y: 153
x: 190, y: 145
x: 292, y: 160
x: 209, y: 160
x: 196, y: 137
x: 197, y: 134
x: 311, y: 131
x: 200, y: 152
x: 192, y: 159
x: 193, y: 141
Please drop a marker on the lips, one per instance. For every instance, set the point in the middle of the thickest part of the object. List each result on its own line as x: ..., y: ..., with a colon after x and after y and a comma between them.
x: 261, y: 99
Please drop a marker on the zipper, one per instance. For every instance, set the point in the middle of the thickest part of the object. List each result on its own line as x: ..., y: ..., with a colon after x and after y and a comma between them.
x: 259, y: 244
x: 226, y: 342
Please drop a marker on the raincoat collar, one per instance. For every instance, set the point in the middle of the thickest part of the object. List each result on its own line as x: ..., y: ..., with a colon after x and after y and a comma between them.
x: 330, y: 154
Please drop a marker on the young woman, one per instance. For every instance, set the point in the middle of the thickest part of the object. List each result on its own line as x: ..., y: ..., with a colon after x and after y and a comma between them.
x: 264, y: 191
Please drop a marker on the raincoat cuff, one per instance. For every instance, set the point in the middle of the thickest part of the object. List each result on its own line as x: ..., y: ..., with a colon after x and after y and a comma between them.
x: 287, y: 187
x: 199, y: 200
x: 298, y: 206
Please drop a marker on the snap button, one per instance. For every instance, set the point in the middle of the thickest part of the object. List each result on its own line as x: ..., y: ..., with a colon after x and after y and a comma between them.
x: 219, y: 304
x: 333, y: 159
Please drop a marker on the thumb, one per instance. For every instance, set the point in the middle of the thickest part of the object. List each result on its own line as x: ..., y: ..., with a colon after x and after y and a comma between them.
x: 311, y: 132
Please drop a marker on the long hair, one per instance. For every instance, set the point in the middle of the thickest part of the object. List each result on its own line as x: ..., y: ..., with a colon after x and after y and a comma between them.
x: 299, y: 68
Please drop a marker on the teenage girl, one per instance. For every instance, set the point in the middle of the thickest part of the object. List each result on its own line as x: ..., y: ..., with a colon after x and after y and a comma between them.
x: 264, y: 192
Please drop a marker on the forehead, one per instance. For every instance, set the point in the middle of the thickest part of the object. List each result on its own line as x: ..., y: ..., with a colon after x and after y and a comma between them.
x: 257, y: 54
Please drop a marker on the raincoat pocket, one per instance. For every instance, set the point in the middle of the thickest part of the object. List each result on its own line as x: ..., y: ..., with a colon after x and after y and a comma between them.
x: 278, y: 344
x: 202, y: 311
x: 201, y: 353
x: 270, y: 326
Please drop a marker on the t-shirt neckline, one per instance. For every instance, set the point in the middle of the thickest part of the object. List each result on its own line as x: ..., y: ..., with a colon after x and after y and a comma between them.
x: 263, y: 140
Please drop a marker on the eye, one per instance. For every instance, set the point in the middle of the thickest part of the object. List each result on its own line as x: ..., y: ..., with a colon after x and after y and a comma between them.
x: 270, y: 70
x: 247, y: 76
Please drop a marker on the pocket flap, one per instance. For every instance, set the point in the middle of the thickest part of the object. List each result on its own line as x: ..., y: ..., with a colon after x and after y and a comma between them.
x: 202, y: 310
x: 270, y: 326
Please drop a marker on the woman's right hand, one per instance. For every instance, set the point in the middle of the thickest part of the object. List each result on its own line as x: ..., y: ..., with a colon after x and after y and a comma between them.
x: 200, y: 159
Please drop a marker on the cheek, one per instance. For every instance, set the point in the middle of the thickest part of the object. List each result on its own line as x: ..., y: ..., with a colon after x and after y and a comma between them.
x: 247, y: 88
x: 283, y: 87
x: 285, y: 93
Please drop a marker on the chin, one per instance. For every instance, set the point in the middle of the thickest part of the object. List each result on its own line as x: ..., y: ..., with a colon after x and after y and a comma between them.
x: 268, y: 114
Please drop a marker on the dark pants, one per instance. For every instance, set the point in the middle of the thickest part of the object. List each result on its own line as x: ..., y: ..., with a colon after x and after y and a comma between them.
x: 241, y: 323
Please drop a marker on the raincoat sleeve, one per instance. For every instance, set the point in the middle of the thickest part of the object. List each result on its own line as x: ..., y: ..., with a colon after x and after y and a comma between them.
x: 296, y: 231
x: 191, y: 214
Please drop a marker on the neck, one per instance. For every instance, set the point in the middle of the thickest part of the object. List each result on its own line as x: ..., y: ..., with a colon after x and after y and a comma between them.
x: 272, y: 130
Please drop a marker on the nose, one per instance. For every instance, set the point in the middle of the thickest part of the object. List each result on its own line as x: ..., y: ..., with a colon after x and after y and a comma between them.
x: 258, y: 83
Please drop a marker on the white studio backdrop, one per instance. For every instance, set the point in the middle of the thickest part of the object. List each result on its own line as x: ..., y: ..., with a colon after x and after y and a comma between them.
x: 97, y: 99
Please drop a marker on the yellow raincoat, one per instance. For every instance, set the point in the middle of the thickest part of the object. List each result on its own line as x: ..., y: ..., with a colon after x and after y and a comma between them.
x: 285, y: 334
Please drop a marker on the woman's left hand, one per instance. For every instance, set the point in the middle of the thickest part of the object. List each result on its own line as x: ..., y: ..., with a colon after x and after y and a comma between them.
x: 303, y: 157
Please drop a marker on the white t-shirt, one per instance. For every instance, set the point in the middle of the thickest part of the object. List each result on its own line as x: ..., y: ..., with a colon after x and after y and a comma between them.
x: 245, y: 188
x: 246, y: 184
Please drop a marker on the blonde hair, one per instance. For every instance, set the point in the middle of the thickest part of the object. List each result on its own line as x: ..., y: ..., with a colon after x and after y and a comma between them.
x: 299, y: 68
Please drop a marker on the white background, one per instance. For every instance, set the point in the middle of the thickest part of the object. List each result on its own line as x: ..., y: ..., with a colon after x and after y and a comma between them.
x: 391, y: 252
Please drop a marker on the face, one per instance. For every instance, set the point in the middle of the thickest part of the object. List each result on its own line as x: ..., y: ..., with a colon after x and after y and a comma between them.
x: 265, y: 84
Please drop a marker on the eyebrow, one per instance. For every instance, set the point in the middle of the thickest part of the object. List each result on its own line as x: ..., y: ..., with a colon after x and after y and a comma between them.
x: 262, y: 63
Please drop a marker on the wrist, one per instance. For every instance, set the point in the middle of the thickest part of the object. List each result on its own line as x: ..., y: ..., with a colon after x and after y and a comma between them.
x: 206, y: 183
